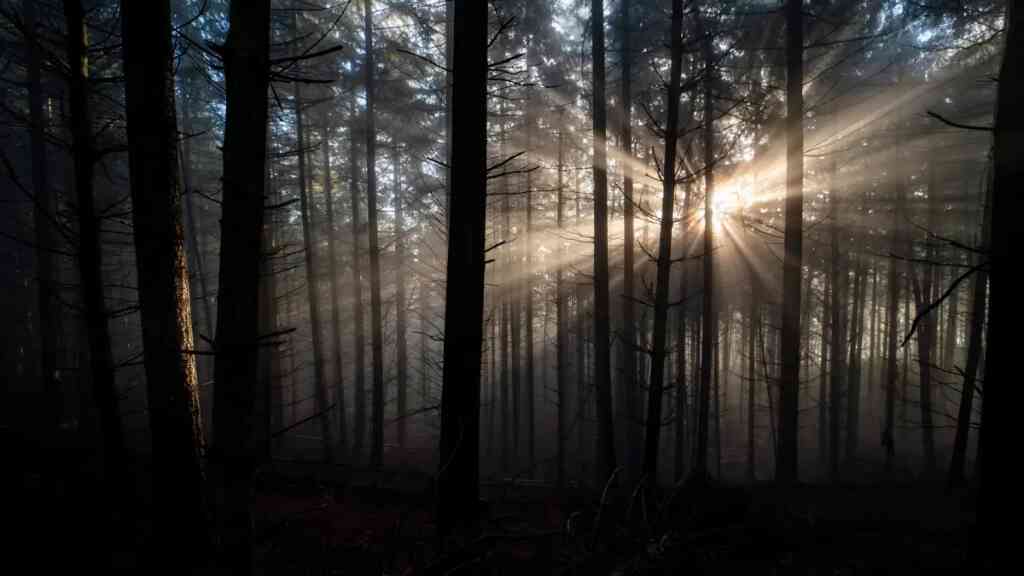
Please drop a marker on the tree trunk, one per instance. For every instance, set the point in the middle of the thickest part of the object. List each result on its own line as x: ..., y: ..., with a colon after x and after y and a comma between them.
x: 824, y: 377
x: 90, y: 258
x: 401, y: 362
x: 358, y: 313
x: 628, y: 421
x: 458, y: 477
x: 602, y: 355
x: 43, y: 216
x: 837, y: 368
x: 561, y: 308
x: 172, y: 389
x: 892, y: 368
x: 789, y: 382
x: 246, y: 70
x: 873, y: 344
x: 974, y: 351
x: 312, y: 291
x: 854, y: 364
x: 660, y: 341
x: 376, y: 319
x: 335, y: 298
x: 709, y: 314
x: 752, y: 320
x: 527, y: 292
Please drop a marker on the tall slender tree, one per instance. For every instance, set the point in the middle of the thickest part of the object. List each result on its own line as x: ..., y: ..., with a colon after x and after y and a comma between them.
x: 668, y: 174
x: 376, y: 305
x: 786, y: 467
x: 602, y: 324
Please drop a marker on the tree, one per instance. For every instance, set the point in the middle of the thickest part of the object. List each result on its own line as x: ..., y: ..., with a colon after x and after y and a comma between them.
x: 309, y: 251
x: 332, y: 269
x: 458, y: 474
x: 786, y: 469
x: 246, y: 56
x: 376, y: 313
x: 602, y: 324
x: 1008, y: 159
x: 171, y: 381
x: 90, y: 257
x: 668, y: 173
x: 42, y: 216
x: 629, y: 418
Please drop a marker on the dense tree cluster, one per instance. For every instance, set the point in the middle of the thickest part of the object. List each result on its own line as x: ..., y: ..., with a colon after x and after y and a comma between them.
x: 611, y: 245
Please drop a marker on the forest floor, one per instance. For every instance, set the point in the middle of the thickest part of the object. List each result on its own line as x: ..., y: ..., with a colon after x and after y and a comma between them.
x: 312, y: 520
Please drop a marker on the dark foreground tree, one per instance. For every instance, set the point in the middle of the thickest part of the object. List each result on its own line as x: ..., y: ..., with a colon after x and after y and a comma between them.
x: 459, y: 467
x: 90, y: 257
x: 235, y: 453
x: 993, y: 472
x: 171, y: 383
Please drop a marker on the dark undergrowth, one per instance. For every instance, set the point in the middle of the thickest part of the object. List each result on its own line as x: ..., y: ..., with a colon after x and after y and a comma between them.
x: 315, y: 520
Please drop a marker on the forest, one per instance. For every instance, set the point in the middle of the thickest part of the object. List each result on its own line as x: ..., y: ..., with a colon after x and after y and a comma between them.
x: 508, y: 286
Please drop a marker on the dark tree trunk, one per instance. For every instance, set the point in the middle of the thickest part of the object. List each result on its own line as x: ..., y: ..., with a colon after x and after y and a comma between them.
x: 90, y: 260
x: 172, y: 388
x: 629, y: 417
x: 974, y: 352
x: 709, y: 314
x: 358, y: 313
x: 660, y: 345
x: 605, y: 458
x: 332, y: 269
x: 43, y: 219
x: 995, y: 473
x: 789, y: 382
x: 682, y: 423
x: 458, y: 477
x: 376, y: 313
x: 246, y: 69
